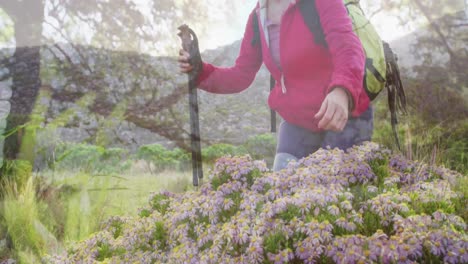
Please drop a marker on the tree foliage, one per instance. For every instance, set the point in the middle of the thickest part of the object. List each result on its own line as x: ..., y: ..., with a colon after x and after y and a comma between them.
x: 101, y: 47
x: 437, y: 92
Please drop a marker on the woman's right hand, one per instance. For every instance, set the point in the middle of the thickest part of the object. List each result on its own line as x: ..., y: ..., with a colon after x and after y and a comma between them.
x: 184, y: 64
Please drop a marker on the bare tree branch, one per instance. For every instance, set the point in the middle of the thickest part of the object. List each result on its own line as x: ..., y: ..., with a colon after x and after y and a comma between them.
x: 437, y: 29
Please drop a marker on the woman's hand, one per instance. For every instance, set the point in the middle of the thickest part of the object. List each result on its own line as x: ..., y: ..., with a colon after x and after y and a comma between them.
x: 184, y: 64
x: 333, y: 113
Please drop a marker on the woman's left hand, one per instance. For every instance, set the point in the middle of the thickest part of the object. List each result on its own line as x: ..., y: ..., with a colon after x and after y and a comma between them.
x: 333, y: 113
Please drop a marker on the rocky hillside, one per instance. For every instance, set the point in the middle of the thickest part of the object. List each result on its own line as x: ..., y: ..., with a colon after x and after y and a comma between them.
x: 145, y: 83
x: 237, y: 116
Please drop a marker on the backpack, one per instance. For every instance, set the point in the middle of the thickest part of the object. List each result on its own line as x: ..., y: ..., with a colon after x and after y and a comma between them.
x: 381, y: 69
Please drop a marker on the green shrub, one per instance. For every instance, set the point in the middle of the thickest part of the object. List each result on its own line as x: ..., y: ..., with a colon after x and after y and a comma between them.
x: 92, y: 159
x: 262, y: 146
x: 160, y: 158
x: 114, y: 160
x: 16, y: 174
x: 78, y: 156
x: 211, y: 153
x: 455, y: 152
x: 183, y: 158
x: 431, y: 132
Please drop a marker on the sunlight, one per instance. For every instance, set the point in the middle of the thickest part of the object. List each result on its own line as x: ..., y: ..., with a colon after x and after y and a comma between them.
x: 387, y: 24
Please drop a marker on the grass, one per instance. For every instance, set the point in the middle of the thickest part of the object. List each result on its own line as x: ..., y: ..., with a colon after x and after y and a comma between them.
x: 72, y: 206
x: 126, y: 194
x: 20, y: 216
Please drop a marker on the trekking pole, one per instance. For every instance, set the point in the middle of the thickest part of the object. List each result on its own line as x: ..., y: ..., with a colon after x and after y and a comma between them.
x: 190, y: 45
x: 272, y: 112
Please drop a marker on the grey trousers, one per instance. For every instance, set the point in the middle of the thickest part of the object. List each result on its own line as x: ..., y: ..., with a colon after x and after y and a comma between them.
x: 296, y: 142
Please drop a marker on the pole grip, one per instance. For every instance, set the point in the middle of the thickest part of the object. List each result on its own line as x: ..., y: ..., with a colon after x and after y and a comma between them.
x: 190, y: 44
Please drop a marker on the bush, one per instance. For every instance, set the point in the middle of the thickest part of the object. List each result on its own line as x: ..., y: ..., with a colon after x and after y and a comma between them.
x: 160, y: 158
x: 435, y: 129
x: 15, y: 173
x: 331, y: 207
x: 455, y: 152
x: 183, y: 157
x: 262, y: 146
x: 114, y: 160
x: 211, y: 153
x: 91, y: 158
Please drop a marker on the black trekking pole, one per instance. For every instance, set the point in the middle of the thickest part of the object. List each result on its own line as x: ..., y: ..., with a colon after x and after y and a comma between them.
x: 190, y: 44
x: 272, y: 112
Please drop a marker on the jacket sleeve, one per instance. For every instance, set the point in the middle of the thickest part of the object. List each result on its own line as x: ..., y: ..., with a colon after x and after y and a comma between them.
x: 345, y: 48
x: 238, y: 77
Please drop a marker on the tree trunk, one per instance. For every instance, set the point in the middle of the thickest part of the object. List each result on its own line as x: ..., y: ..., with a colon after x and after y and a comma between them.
x: 28, y: 17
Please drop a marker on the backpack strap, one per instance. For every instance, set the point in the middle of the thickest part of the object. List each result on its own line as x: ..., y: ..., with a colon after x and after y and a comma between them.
x: 370, y: 66
x: 256, y: 41
x: 312, y: 20
x: 396, y: 93
x: 256, y: 30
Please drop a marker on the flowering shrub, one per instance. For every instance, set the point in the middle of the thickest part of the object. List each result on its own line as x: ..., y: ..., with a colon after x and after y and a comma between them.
x: 363, y: 206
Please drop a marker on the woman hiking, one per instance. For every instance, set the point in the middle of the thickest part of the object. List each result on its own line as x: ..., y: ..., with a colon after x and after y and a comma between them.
x: 319, y: 89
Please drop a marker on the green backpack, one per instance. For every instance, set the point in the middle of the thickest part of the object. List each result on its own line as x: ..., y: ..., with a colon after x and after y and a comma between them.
x: 381, y: 63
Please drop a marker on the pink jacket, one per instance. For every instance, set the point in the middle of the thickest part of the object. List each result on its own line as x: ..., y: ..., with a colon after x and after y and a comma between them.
x: 309, y: 71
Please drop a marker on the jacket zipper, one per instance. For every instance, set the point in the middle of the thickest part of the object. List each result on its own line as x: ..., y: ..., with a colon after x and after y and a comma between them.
x: 283, y: 86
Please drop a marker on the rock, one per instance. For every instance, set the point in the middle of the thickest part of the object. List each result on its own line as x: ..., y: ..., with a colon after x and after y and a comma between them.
x: 4, y: 109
